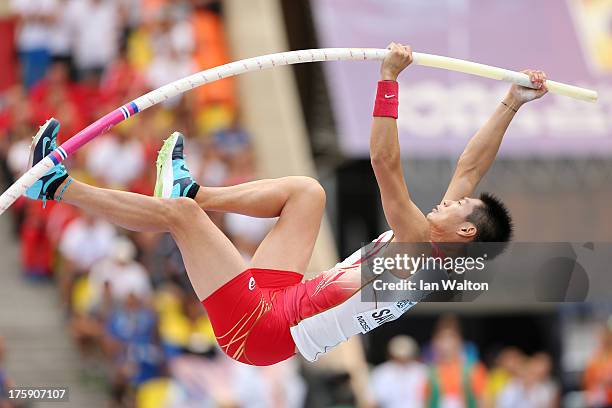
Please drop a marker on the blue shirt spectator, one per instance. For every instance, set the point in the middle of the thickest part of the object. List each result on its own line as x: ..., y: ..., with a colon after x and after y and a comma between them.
x: 134, y: 327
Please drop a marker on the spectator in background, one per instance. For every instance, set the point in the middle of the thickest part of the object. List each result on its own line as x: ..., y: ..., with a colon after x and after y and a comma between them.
x: 57, y: 96
x: 85, y: 241
x: 126, y: 154
x: 507, y: 367
x: 60, y: 41
x: 121, y: 82
x: 234, y: 145
x: 132, y: 343
x: 110, y: 282
x: 454, y: 381
x: 120, y: 274
x: 598, y: 373
x: 36, y: 248
x: 450, y: 321
x: 213, y: 170
x: 172, y: 47
x: 186, y: 328
x: 233, y: 139
x: 533, y: 389
x: 33, y: 36
x: 96, y: 30
x: 400, y: 382
x: 131, y: 17
x: 241, y: 166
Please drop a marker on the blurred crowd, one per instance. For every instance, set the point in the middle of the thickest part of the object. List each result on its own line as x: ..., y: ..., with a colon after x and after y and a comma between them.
x: 130, y: 310
x: 447, y: 373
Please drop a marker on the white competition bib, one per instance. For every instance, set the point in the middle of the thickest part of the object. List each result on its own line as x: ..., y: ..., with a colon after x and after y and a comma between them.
x: 372, y: 319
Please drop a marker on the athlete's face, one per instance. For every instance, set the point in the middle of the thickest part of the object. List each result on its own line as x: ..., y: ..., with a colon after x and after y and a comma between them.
x: 449, y: 218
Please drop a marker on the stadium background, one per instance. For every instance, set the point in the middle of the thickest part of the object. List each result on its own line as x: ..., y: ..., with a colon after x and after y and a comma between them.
x: 61, y: 325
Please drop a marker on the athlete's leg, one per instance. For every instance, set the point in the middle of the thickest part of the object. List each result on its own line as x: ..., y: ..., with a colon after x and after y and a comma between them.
x: 131, y: 211
x: 298, y: 201
x: 260, y: 198
x: 210, y: 258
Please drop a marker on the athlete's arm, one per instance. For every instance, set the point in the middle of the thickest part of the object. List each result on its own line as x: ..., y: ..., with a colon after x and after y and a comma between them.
x: 404, y: 217
x: 482, y: 148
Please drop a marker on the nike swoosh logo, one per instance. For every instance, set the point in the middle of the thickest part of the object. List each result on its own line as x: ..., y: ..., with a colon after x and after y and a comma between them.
x: 389, y: 96
x: 182, y: 182
x: 46, y: 144
x: 41, y: 154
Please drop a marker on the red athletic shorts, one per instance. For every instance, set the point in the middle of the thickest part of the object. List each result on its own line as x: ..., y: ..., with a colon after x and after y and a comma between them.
x: 252, y: 314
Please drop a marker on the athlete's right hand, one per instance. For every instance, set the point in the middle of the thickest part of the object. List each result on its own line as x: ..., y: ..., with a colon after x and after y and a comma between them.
x: 520, y: 94
x: 396, y: 61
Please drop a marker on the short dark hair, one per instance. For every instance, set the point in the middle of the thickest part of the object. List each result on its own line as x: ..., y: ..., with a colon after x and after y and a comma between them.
x: 492, y: 220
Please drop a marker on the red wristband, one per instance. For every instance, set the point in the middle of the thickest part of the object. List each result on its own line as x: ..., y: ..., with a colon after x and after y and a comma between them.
x: 386, y: 99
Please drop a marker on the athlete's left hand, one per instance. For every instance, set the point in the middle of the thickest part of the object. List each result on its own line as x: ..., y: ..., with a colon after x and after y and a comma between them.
x: 521, y: 94
x: 398, y: 58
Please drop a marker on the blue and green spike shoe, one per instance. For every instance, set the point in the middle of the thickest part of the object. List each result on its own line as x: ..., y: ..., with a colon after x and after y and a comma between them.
x: 42, y: 145
x: 173, y: 178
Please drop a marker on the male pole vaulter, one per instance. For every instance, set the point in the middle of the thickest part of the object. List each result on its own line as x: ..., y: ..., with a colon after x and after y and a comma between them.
x: 263, y: 313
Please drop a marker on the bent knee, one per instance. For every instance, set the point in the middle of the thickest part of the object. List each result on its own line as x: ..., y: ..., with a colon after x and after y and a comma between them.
x: 310, y: 188
x: 181, y: 210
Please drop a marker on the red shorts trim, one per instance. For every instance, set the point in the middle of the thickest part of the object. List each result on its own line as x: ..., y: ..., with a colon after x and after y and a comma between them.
x: 248, y: 320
